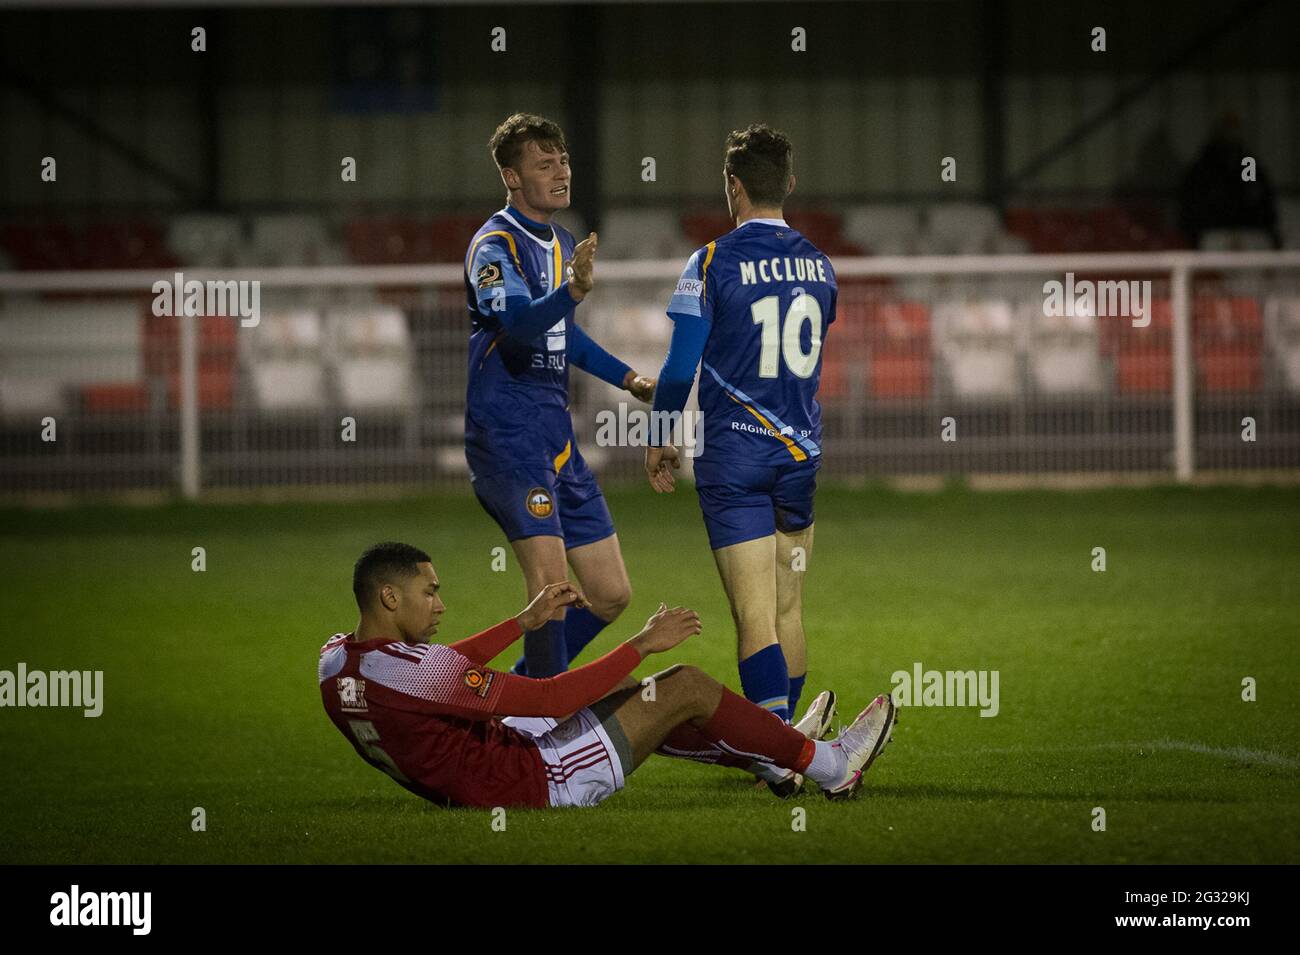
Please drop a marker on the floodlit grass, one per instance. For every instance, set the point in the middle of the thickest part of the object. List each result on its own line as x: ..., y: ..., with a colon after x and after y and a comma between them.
x: 1119, y: 689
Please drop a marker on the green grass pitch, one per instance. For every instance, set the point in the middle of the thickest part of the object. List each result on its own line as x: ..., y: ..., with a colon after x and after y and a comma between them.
x: 1119, y: 689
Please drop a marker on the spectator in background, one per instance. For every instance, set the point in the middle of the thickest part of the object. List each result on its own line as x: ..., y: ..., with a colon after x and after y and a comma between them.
x: 1214, y: 194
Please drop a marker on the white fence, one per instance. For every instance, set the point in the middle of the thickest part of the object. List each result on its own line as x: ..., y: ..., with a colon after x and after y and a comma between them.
x: 99, y: 394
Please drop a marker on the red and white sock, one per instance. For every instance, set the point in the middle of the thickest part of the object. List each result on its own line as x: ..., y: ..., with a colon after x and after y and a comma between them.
x: 741, y: 729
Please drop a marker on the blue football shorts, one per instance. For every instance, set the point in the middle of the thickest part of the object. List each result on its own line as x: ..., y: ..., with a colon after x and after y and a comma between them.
x: 536, y: 500
x: 743, y: 502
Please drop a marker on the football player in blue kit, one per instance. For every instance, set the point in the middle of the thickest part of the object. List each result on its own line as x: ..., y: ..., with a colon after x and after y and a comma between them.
x: 524, y: 277
x: 752, y: 309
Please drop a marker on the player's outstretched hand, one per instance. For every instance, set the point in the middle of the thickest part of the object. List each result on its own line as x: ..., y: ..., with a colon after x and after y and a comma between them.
x: 659, y: 466
x: 666, y: 629
x: 581, y: 266
x: 548, y: 600
x: 640, y: 386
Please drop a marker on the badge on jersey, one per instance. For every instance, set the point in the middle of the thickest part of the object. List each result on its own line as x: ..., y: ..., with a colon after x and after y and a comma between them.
x: 539, y: 503
x: 489, y: 276
x: 480, y: 681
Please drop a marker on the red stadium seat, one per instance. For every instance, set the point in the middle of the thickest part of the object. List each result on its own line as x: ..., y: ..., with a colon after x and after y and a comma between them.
x: 1228, y: 333
x: 128, y: 244
x: 898, y: 333
x: 452, y: 235
x: 1144, y: 358
x: 218, y: 358
x: 116, y: 398
x: 703, y: 228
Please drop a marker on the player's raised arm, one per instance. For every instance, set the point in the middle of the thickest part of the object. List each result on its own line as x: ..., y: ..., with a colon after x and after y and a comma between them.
x: 482, y: 647
x: 569, y: 692
x: 586, y: 354
x: 502, y: 293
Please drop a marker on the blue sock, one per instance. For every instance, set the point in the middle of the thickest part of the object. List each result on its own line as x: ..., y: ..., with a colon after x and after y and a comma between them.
x: 580, y: 628
x: 796, y: 691
x: 766, y: 681
x: 544, y: 653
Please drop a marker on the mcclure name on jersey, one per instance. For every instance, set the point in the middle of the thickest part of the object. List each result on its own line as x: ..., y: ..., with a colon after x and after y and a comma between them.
x: 782, y: 270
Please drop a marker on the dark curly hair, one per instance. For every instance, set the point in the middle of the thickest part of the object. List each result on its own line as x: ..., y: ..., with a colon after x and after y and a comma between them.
x: 762, y: 158
x: 507, y: 143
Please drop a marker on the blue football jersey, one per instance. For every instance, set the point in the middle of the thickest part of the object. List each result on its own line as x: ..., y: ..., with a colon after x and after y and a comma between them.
x: 516, y: 402
x: 769, y: 296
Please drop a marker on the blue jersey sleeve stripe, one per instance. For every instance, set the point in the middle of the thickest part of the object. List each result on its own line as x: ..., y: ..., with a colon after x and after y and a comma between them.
x: 508, y: 284
x: 510, y: 241
x: 805, y: 443
x: 688, y: 297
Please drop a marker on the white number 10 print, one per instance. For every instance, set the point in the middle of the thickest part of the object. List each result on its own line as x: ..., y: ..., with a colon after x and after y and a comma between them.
x: 782, y: 338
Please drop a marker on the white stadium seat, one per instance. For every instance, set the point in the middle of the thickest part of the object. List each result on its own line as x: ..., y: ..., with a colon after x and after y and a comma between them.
x: 883, y: 229
x: 47, y: 348
x: 205, y: 240
x: 977, y: 341
x: 643, y: 234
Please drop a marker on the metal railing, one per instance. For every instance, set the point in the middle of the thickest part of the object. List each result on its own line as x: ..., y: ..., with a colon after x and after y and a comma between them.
x: 215, y: 403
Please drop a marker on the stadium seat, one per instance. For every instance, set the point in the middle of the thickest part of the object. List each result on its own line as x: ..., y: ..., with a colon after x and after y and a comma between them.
x: 451, y: 236
x: 28, y: 394
x: 962, y: 228
x: 375, y: 383
x: 703, y: 227
x: 48, y: 350
x: 205, y: 240
x: 370, y: 349
x: 1144, y: 360
x: 285, y: 360
x: 127, y: 397
x: 288, y: 240
x: 280, y: 384
x: 125, y: 244
x: 977, y: 341
x: 824, y: 230
x: 44, y: 246
x: 135, y: 244
x: 1228, y: 333
x: 1063, y: 354
x: 392, y: 240
x: 1282, y: 333
x: 643, y: 234
x: 1235, y: 240
x: 217, y: 358
x: 898, y: 336
x: 621, y: 325
x: 883, y: 229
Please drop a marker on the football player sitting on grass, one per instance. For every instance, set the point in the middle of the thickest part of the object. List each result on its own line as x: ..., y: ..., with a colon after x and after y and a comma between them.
x: 449, y: 728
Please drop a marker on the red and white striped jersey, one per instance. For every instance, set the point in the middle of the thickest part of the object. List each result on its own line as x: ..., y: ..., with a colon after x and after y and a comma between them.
x: 424, y: 715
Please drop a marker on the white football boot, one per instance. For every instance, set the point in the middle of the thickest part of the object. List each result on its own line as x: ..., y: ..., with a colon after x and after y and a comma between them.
x: 816, y: 723
x: 863, y: 742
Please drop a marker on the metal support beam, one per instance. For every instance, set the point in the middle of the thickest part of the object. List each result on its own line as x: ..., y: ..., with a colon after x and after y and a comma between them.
x: 1194, y: 50
x: 1184, y: 398
x: 88, y: 127
x: 189, y: 405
